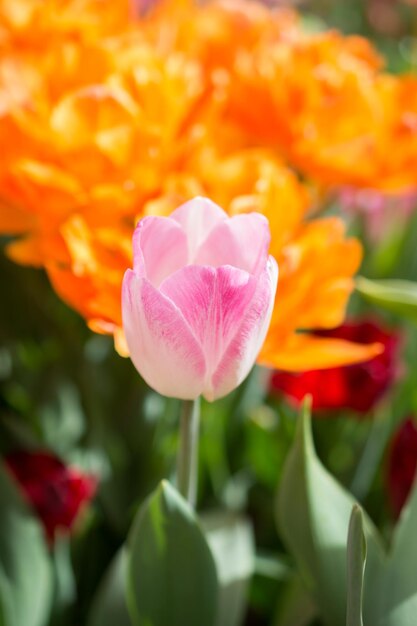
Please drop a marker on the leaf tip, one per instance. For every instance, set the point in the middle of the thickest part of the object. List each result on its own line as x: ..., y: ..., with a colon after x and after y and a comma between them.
x: 305, y: 432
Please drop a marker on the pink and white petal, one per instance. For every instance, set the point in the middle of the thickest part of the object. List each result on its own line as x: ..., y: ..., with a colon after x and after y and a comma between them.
x: 159, y: 248
x: 161, y: 344
x: 213, y: 302
x: 247, y: 341
x: 242, y: 241
x: 198, y: 217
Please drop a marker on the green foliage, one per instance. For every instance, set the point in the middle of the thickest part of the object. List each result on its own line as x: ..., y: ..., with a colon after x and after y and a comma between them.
x: 232, y: 544
x: 398, y: 296
x: 26, y: 583
x: 109, y: 606
x: 397, y: 587
x: 296, y: 607
x: 171, y: 575
x: 356, y: 559
x: 165, y: 574
x: 313, y: 513
x: 344, y: 567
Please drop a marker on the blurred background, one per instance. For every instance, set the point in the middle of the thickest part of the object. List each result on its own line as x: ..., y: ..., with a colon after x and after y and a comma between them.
x: 64, y: 390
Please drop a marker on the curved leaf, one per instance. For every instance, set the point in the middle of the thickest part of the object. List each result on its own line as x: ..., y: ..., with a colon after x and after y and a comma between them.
x: 356, y: 559
x: 109, y: 606
x: 398, y: 296
x: 232, y: 544
x: 313, y: 513
x: 398, y: 594
x: 171, y: 575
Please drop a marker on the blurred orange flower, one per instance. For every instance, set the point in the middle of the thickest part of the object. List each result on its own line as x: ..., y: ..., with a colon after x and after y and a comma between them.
x: 311, y: 294
x: 280, y: 85
x: 107, y: 117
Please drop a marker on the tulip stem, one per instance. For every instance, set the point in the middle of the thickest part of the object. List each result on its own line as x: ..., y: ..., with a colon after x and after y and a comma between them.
x: 187, y: 464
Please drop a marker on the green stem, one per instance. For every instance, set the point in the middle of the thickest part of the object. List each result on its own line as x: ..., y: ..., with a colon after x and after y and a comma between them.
x: 187, y: 463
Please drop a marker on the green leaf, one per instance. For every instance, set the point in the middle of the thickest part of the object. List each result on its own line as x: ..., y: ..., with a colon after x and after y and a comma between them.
x: 109, y: 606
x: 398, y: 595
x: 171, y: 574
x: 273, y: 566
x: 296, y: 607
x: 313, y: 513
x: 231, y: 541
x: 26, y: 581
x: 356, y: 559
x: 398, y: 296
x: 65, y: 583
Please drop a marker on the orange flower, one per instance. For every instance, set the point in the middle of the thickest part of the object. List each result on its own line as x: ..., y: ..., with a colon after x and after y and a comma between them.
x: 92, y: 123
x: 32, y: 23
x: 280, y: 86
x: 318, y: 301
x: 107, y: 119
x: 90, y: 277
x: 300, y: 87
x: 312, y: 294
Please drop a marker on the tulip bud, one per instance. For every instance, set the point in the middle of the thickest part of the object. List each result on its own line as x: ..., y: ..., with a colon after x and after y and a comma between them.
x: 198, y: 302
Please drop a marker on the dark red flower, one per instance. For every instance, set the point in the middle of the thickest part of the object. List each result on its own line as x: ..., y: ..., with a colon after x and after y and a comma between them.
x: 402, y: 465
x: 356, y: 387
x: 56, y: 492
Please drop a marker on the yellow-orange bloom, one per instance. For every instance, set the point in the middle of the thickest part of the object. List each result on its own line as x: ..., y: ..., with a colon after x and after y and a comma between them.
x: 281, y: 85
x: 108, y: 120
x: 312, y: 294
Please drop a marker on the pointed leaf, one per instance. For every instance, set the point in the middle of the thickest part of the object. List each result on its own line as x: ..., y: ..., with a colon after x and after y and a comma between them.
x: 231, y: 541
x: 398, y: 296
x: 313, y: 513
x: 171, y: 575
x: 399, y: 589
x: 26, y: 581
x: 356, y: 559
x: 109, y: 606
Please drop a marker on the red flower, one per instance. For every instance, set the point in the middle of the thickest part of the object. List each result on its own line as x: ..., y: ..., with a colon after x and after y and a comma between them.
x: 402, y: 465
x: 56, y: 492
x: 356, y: 387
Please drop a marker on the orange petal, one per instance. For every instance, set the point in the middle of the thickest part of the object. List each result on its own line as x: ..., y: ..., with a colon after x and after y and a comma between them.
x: 308, y: 352
x: 14, y: 221
x: 26, y: 251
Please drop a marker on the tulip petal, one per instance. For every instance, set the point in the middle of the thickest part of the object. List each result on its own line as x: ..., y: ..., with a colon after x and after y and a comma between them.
x: 161, y: 344
x: 248, y: 338
x: 228, y: 311
x: 198, y: 217
x: 242, y: 241
x: 159, y: 248
x: 213, y: 302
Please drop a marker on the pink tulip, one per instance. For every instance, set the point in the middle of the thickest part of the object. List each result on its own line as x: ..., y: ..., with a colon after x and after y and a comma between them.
x: 197, y: 305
